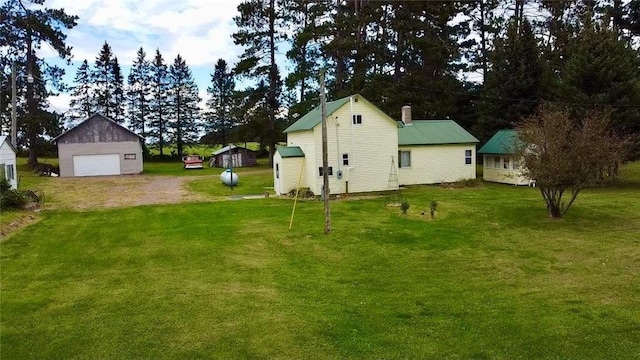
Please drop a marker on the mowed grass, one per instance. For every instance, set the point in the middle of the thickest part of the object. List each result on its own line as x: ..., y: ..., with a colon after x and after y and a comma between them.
x: 491, y: 277
x: 175, y: 168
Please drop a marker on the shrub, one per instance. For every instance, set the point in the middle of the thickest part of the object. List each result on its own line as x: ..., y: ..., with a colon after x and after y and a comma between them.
x: 17, y: 199
x: 404, y: 207
x: 305, y: 193
x: 433, y: 207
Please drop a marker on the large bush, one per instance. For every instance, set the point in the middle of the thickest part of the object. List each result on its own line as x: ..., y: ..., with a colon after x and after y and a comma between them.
x: 16, y: 199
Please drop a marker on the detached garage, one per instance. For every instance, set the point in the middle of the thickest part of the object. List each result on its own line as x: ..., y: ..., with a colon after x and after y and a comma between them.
x: 99, y: 146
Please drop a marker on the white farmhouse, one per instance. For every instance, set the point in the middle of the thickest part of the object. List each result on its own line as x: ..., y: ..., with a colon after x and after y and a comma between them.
x: 499, y: 161
x: 364, y: 144
x: 8, y: 162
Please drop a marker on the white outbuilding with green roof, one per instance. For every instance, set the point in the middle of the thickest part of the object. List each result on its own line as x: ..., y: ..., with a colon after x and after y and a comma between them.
x: 499, y: 161
x: 362, y: 143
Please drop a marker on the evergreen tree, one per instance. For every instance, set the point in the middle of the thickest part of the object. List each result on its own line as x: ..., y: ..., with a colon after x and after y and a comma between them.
x: 420, y: 65
x: 183, y: 110
x: 118, y: 92
x: 104, y: 82
x: 220, y: 115
x: 159, y: 102
x: 305, y: 54
x: 262, y: 27
x: 138, y: 94
x: 81, y: 105
x: 21, y: 31
x: 602, y: 71
x: 515, y: 85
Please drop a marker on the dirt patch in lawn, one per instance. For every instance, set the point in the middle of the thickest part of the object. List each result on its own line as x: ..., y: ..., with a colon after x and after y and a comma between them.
x: 87, y: 193
x: 17, y: 222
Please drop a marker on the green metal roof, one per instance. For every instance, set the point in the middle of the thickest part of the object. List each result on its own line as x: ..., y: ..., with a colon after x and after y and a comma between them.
x: 314, y: 117
x: 502, y: 142
x: 290, y: 151
x: 433, y: 132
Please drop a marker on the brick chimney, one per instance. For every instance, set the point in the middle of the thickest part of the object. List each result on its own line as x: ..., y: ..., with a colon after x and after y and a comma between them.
x: 406, y: 115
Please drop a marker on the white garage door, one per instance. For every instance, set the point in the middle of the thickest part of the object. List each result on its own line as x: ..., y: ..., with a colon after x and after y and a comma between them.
x: 92, y: 165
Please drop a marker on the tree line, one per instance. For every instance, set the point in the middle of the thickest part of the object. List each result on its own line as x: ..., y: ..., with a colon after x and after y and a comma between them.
x: 488, y: 64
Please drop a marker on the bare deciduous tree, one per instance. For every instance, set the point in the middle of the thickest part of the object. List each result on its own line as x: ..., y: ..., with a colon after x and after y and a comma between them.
x: 567, y: 156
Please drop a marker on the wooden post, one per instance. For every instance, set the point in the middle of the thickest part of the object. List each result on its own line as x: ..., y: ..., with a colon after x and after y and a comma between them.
x: 325, y: 158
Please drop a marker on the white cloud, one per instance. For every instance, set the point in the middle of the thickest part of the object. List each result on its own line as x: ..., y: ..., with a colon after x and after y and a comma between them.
x: 199, y: 30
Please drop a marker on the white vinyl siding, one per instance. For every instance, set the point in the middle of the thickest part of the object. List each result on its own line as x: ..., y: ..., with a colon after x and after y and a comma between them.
x: 8, y: 163
x: 370, y: 145
x: 434, y: 164
x: 288, y: 173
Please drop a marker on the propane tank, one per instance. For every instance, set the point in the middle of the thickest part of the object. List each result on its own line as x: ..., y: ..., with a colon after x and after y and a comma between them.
x: 229, y: 178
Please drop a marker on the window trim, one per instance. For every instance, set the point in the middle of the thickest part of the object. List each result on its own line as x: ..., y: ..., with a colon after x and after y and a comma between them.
x: 506, y: 163
x: 131, y: 156
x: 329, y: 171
x: 356, y: 119
x: 10, y: 172
x: 400, y: 162
x: 345, y: 159
x: 468, y: 159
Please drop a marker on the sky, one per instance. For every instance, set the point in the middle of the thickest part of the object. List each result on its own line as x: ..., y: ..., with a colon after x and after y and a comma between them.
x: 199, y: 30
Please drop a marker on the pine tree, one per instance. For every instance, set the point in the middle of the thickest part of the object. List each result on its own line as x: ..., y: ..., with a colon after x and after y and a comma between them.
x: 220, y: 115
x: 103, y: 78
x: 118, y: 92
x: 81, y: 105
x: 602, y: 72
x: 305, y: 54
x: 138, y: 94
x: 262, y: 27
x: 183, y: 110
x: 22, y: 31
x: 159, y: 102
x: 515, y: 86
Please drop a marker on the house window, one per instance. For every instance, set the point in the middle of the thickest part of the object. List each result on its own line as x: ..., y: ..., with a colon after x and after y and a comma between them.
x: 505, y: 163
x: 467, y: 157
x: 345, y: 159
x: 496, y: 162
x: 516, y: 165
x: 488, y: 162
x: 357, y: 119
x: 129, y: 156
x: 329, y: 171
x: 10, y: 174
x: 404, y: 159
x: 277, y: 171
x: 2, y: 171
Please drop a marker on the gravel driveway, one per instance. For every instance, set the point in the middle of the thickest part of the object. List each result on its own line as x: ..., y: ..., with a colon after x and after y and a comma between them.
x: 88, y: 193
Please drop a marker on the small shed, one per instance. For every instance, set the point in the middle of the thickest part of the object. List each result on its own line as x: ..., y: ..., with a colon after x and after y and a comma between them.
x: 99, y: 146
x: 288, y: 164
x: 499, y: 162
x: 240, y: 156
x: 8, y: 161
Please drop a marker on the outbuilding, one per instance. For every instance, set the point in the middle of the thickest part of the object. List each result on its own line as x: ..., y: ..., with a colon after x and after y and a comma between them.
x: 99, y: 146
x: 240, y: 157
x: 499, y: 161
x: 8, y: 161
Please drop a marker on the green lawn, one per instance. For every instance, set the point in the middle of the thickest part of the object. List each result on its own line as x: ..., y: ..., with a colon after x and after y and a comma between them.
x: 492, y: 277
x: 176, y: 169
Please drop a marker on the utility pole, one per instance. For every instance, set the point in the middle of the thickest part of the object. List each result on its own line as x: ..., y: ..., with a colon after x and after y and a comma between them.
x: 325, y: 158
x: 14, y: 117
